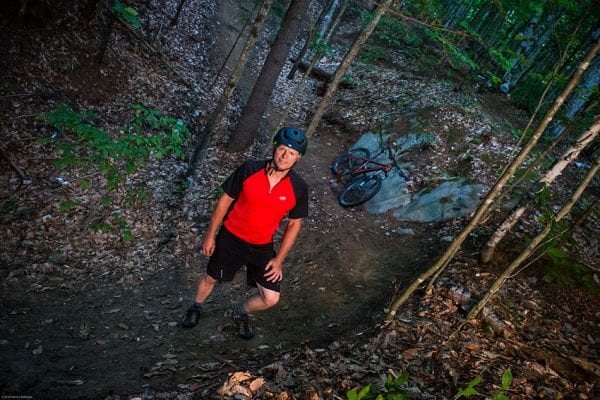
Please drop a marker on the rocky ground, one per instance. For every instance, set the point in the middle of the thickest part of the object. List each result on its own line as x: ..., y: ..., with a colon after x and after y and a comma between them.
x: 87, y: 314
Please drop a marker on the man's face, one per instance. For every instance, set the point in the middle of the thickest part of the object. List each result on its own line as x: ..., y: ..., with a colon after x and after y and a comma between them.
x: 285, y: 157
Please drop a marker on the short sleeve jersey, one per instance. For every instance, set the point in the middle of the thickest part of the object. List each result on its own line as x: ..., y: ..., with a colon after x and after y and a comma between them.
x: 258, y: 209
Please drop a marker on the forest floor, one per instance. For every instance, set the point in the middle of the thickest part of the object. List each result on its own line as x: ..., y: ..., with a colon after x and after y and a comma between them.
x: 87, y: 314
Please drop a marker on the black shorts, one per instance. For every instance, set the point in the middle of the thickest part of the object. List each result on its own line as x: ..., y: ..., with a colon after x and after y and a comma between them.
x: 232, y: 253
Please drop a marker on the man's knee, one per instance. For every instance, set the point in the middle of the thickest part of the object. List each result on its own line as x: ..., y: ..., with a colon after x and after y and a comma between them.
x: 209, y: 280
x: 270, y: 297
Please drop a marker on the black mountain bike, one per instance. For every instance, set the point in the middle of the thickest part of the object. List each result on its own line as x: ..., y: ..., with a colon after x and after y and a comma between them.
x: 364, y: 173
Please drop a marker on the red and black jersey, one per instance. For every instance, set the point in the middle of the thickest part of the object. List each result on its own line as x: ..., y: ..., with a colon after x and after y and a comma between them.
x: 258, y: 210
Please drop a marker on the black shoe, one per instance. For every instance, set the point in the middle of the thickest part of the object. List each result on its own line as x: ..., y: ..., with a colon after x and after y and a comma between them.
x: 192, y: 316
x: 243, y: 324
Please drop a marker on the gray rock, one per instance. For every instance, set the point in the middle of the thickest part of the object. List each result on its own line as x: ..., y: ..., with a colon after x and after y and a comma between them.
x: 449, y: 200
x: 392, y: 194
x: 404, y: 231
x: 413, y: 141
x: 371, y: 141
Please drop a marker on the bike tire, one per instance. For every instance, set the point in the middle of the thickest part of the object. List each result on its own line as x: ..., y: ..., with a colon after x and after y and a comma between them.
x: 357, y: 191
x: 344, y: 165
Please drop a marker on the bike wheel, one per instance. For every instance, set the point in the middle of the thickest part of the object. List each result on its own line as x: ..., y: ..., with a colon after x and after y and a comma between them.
x: 346, y: 161
x: 357, y: 191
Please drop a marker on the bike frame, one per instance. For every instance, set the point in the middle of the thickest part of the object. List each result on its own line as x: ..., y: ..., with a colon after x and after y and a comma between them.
x: 364, y: 162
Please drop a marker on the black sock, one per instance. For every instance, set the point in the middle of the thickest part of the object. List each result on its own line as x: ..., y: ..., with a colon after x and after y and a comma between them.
x: 239, y: 309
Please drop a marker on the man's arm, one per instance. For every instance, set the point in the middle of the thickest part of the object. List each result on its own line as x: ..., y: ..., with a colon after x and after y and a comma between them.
x: 208, y: 244
x: 275, y: 266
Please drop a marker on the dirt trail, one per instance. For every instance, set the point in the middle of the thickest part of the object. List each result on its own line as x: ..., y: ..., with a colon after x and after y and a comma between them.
x: 108, y: 337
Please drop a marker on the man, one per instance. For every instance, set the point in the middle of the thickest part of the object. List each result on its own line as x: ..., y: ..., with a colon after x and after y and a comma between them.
x: 257, y: 196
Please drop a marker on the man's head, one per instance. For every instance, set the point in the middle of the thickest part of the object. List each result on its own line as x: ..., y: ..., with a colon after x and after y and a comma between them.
x: 289, y: 145
x: 293, y: 138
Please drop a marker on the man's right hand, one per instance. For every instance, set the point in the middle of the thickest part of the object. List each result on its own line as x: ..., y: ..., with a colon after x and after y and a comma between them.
x: 208, y: 245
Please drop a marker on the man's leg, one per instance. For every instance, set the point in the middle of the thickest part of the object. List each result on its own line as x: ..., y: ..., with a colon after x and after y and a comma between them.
x: 193, y: 314
x: 266, y: 298
x: 205, y: 287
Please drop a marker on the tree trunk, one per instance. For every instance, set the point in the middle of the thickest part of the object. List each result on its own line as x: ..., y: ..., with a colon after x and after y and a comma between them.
x: 327, y: 19
x: 534, y: 244
x: 489, y: 199
x: 519, y: 70
x: 236, y: 74
x: 249, y: 122
x: 178, y: 12
x: 585, y: 214
x: 487, y: 253
x: 345, y: 64
x: 310, y: 68
x: 578, y: 99
x: 107, y: 28
x: 301, y: 54
x: 336, y: 21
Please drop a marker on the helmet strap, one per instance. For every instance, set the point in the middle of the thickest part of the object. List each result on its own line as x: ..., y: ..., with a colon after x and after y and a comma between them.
x: 272, y: 167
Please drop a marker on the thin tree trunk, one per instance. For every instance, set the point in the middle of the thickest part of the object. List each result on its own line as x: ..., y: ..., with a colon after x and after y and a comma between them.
x: 534, y: 244
x: 299, y: 86
x: 489, y: 199
x: 108, y: 24
x: 336, y: 21
x: 178, y: 12
x: 501, y: 196
x: 236, y: 74
x: 310, y: 68
x: 487, y: 253
x: 301, y: 54
x: 323, y: 24
x: 579, y: 98
x: 585, y: 214
x: 231, y: 50
x: 249, y: 121
x: 345, y: 64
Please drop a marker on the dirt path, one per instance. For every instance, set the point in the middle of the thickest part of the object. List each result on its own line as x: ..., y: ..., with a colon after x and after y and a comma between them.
x: 100, y: 336
x: 106, y: 338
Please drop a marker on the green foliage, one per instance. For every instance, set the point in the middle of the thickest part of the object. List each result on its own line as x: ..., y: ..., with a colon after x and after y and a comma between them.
x: 124, y: 228
x: 458, y: 57
x: 135, y: 196
x: 67, y: 205
x: 469, y: 390
x: 390, y: 33
x: 372, y: 54
x: 507, y: 378
x: 128, y: 14
x: 148, y: 134
x: 393, y: 390
x: 82, y: 144
x: 101, y: 226
x: 499, y: 394
x: 563, y: 270
x: 320, y: 46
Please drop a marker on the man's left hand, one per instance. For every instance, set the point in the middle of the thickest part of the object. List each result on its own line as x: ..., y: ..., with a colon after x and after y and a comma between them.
x: 274, y: 270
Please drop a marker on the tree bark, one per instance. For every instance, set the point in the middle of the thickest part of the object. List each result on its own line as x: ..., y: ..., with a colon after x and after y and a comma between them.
x: 178, y: 12
x: 249, y: 122
x: 487, y: 253
x: 578, y: 99
x: 236, y: 74
x: 311, y: 69
x: 508, y: 173
x: 336, y: 21
x: 345, y: 64
x: 534, y: 244
x: 107, y: 28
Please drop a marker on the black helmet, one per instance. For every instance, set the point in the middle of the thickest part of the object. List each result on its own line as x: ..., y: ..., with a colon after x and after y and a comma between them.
x: 293, y: 138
